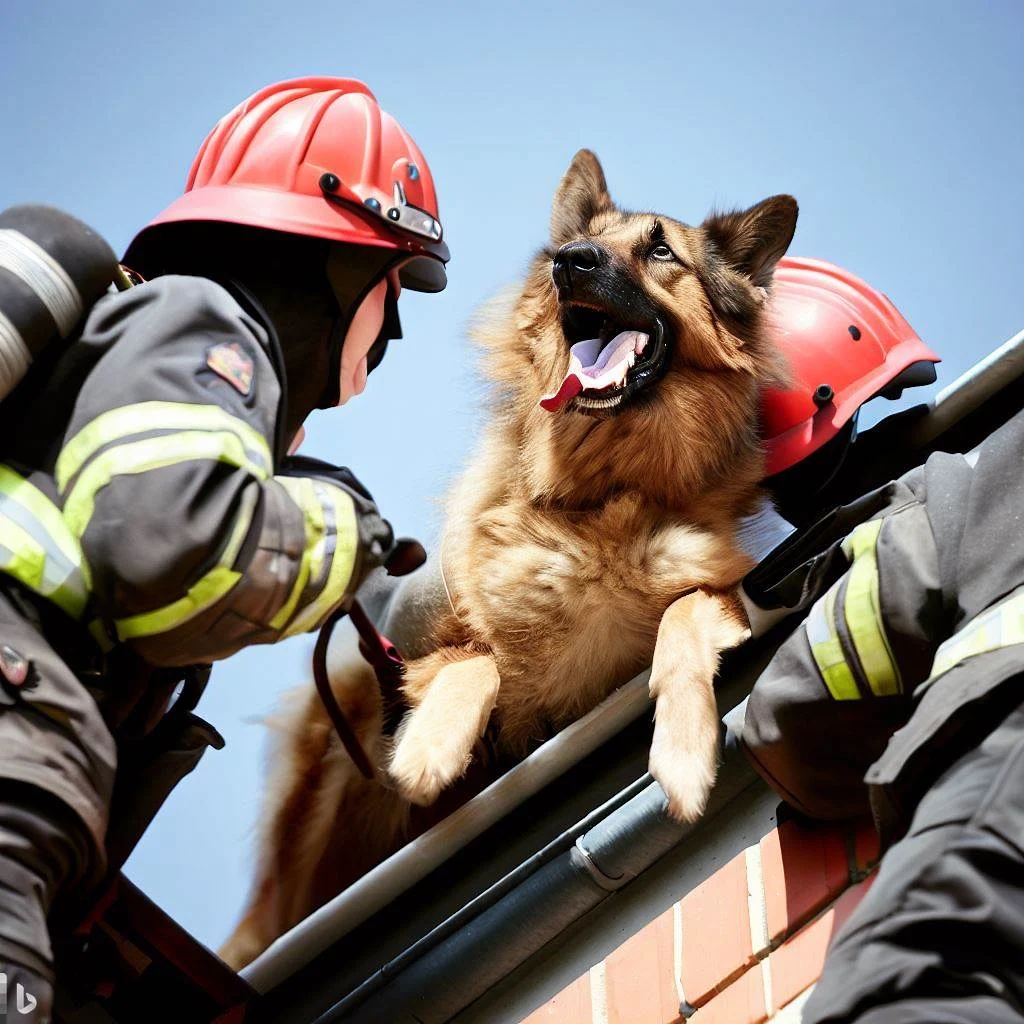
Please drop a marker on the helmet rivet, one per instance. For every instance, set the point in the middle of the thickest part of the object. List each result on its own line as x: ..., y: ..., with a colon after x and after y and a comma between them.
x: 413, y: 171
x: 394, y: 213
x: 854, y: 332
x: 823, y: 394
x: 329, y: 182
x: 373, y: 204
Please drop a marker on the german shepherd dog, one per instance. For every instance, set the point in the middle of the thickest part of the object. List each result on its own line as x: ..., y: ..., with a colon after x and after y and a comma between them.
x: 592, y: 534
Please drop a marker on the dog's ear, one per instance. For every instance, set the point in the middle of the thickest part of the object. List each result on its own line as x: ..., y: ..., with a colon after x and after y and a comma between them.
x: 742, y: 249
x: 753, y: 241
x: 582, y: 193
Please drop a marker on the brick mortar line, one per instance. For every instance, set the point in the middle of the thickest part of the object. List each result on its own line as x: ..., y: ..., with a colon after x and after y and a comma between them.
x: 677, y: 957
x: 766, y: 985
x: 757, y: 904
x: 853, y: 870
x: 598, y: 994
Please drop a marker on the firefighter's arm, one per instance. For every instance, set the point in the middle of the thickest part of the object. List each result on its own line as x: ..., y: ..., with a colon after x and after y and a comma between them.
x: 193, y: 547
x: 824, y: 709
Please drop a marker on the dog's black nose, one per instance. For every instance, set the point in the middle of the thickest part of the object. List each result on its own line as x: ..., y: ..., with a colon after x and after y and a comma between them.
x: 575, y: 258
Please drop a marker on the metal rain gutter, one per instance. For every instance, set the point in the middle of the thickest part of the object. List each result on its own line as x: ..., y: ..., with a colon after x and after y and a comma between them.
x: 987, y: 376
x: 486, y: 899
x: 511, y: 922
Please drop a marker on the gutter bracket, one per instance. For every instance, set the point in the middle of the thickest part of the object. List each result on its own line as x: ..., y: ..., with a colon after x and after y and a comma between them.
x: 582, y: 861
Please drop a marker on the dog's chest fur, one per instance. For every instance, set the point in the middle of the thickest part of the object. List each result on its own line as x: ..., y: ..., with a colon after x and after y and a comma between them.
x: 570, y: 602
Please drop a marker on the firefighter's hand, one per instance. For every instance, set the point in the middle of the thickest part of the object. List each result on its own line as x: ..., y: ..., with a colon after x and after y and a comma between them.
x: 375, y: 536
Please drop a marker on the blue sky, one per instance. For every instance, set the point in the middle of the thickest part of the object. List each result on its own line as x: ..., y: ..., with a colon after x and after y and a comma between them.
x: 897, y: 126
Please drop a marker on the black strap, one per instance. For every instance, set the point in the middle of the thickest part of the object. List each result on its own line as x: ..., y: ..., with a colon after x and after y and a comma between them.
x: 323, y: 685
x: 384, y: 657
x: 387, y: 663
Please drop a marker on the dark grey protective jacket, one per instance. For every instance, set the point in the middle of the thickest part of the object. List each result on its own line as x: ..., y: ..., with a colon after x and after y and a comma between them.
x: 144, y: 494
x: 917, y: 622
x: 145, y: 499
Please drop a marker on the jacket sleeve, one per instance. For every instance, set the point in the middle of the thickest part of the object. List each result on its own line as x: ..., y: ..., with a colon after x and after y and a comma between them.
x: 192, y: 547
x: 824, y: 709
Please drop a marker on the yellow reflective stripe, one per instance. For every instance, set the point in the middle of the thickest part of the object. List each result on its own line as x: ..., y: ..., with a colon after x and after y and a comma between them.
x: 17, y: 488
x: 202, y: 595
x: 863, y: 612
x: 71, y: 600
x: 342, y: 562
x: 1000, y: 626
x: 41, y: 552
x: 119, y: 424
x: 827, y: 649
x: 205, y: 593
x: 301, y: 492
x: 975, y: 641
x: 27, y: 558
x: 243, y: 522
x: 143, y: 456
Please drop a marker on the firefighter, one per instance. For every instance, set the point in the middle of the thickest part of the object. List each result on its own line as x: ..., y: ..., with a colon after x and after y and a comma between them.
x: 150, y: 517
x: 901, y: 692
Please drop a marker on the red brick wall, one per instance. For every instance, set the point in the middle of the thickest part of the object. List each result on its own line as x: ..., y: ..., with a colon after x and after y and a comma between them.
x: 744, y: 947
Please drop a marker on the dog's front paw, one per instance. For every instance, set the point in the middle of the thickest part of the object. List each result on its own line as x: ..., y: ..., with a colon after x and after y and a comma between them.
x: 420, y: 768
x: 686, y: 776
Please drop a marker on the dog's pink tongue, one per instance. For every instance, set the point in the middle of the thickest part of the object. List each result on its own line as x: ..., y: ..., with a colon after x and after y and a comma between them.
x: 594, y: 365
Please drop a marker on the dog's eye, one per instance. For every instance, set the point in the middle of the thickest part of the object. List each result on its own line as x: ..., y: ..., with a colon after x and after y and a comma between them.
x: 661, y: 252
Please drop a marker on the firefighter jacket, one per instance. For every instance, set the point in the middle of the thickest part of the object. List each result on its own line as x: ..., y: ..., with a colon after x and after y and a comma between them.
x: 142, y: 488
x: 916, y: 622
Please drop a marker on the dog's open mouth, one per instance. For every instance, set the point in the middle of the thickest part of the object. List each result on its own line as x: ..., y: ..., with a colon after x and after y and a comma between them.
x: 609, y: 361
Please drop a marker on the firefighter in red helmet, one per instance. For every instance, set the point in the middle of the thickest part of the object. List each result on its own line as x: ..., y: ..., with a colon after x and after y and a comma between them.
x: 899, y: 690
x: 150, y: 517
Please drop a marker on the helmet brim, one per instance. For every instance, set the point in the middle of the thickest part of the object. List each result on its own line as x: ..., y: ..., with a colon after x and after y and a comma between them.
x: 423, y: 274
x: 798, y: 442
x: 297, y: 214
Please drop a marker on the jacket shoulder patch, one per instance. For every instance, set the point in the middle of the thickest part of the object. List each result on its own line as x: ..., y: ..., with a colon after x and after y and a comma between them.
x: 230, y: 361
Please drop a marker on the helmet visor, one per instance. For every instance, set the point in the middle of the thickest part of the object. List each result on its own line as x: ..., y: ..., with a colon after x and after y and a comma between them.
x: 423, y: 274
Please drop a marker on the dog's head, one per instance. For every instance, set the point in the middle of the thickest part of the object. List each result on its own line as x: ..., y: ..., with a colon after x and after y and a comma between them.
x: 638, y: 297
x: 638, y: 347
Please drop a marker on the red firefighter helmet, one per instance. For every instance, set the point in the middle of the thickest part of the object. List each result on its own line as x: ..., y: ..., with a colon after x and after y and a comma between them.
x: 845, y: 343
x: 317, y: 157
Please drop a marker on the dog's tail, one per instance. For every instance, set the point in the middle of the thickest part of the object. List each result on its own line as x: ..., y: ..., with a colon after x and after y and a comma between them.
x: 323, y: 825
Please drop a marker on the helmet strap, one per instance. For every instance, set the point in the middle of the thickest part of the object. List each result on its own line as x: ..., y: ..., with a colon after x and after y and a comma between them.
x: 353, y: 274
x: 332, y: 388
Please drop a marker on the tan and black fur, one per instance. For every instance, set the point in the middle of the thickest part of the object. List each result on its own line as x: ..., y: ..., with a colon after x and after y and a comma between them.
x: 580, y: 546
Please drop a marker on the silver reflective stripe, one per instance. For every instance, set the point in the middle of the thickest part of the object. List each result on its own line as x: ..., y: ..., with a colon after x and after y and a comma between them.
x: 36, y: 547
x: 59, y: 572
x: 15, y: 357
x: 1002, y: 625
x: 44, y: 275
